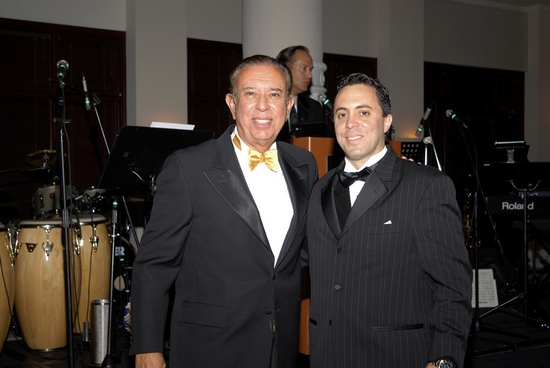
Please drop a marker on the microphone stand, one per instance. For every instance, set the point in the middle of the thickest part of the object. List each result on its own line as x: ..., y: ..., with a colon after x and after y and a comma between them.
x: 108, y: 361
x: 65, y: 222
x: 428, y: 140
x: 477, y: 323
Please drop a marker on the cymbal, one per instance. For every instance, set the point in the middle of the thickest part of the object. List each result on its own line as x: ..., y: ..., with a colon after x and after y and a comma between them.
x: 7, y: 199
x: 39, y: 158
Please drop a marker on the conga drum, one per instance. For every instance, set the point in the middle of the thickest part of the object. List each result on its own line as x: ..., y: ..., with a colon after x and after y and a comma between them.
x: 7, y: 284
x: 93, y: 243
x: 40, y: 278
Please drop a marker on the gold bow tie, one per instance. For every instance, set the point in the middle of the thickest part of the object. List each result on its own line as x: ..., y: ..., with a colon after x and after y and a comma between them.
x: 269, y: 158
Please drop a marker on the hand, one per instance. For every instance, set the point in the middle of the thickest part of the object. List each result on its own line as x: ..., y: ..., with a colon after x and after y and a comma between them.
x: 410, y: 159
x: 150, y: 360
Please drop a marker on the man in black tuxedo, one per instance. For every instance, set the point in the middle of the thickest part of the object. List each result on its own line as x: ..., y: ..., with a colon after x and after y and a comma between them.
x: 306, y: 109
x: 390, y: 277
x: 226, y: 230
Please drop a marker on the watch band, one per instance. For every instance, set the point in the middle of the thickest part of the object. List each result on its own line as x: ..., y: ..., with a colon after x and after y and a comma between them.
x: 443, y: 363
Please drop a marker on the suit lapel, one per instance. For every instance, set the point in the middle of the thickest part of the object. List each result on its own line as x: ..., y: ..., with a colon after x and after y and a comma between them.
x: 375, y: 187
x: 328, y: 202
x: 297, y: 181
x: 227, y: 178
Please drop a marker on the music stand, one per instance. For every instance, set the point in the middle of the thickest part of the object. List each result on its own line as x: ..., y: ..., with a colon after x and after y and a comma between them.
x: 134, y: 163
x: 510, y: 151
x: 139, y: 153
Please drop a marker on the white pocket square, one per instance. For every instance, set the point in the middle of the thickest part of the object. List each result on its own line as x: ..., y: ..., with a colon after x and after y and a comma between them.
x: 387, y: 222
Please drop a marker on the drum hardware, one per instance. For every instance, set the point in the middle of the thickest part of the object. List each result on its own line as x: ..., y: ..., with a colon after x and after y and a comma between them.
x: 47, y: 245
x: 31, y: 246
x: 94, y: 239
x: 12, y: 250
x: 78, y: 242
x: 7, y: 296
x: 12, y: 243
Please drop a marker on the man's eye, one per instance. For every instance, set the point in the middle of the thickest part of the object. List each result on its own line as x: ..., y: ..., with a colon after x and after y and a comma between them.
x: 364, y: 113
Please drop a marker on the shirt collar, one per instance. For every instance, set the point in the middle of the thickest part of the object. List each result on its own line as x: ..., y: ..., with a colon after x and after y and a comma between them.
x: 370, y: 162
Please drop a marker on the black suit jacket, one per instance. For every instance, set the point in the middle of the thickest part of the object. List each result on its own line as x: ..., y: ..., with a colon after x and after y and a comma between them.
x: 206, y: 237
x: 309, y: 111
x: 392, y: 287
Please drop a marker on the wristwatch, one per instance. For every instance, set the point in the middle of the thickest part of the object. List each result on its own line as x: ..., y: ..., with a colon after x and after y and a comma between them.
x: 444, y: 363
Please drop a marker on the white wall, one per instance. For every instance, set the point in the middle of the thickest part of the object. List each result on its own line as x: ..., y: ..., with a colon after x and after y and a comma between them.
x: 156, y: 62
x: 351, y: 32
x: 537, y: 85
x: 215, y: 20
x: 102, y: 14
x: 465, y: 34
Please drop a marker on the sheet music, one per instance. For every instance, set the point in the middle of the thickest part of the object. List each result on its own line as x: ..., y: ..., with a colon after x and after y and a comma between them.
x: 159, y: 124
x: 488, y: 297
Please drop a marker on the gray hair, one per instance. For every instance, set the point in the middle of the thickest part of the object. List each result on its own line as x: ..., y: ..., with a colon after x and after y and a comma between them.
x: 260, y: 60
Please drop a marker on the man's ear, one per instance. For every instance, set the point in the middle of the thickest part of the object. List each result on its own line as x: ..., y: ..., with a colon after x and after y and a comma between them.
x: 387, y: 123
x: 230, y: 101
x: 290, y: 104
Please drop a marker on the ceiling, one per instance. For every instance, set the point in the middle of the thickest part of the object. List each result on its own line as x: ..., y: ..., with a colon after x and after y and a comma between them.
x: 521, y: 3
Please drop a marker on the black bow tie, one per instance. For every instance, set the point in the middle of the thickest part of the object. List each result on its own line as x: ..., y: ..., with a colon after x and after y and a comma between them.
x: 348, y: 178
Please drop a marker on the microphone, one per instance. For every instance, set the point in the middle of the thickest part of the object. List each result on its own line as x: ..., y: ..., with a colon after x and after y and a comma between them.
x: 323, y: 99
x: 86, y: 98
x: 62, y: 67
x: 450, y: 114
x: 423, y: 121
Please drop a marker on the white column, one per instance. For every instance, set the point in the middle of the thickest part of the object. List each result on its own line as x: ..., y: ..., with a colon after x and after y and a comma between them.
x: 401, y: 61
x: 537, y: 84
x: 156, y: 59
x: 270, y: 26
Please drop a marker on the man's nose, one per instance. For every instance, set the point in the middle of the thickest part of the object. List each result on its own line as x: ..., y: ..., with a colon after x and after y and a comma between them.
x: 261, y: 102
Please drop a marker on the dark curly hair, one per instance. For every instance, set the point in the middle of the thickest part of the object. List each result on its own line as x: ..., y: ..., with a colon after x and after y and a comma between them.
x: 381, y: 91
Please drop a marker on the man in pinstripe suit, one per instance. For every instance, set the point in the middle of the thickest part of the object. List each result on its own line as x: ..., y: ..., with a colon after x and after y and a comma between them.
x: 390, y: 277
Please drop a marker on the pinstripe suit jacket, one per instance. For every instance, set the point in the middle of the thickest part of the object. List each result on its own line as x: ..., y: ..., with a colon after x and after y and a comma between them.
x: 392, y: 288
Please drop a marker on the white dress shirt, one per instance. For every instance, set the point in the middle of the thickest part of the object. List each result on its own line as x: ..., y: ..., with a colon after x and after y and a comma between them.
x: 356, y: 187
x: 271, y: 196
